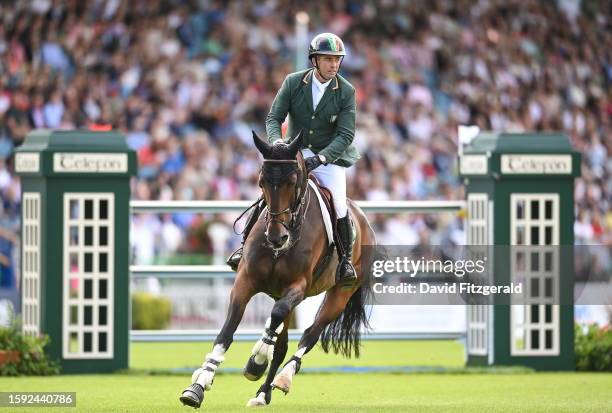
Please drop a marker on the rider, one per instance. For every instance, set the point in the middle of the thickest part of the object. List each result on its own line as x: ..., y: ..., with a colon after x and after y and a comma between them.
x: 322, y: 103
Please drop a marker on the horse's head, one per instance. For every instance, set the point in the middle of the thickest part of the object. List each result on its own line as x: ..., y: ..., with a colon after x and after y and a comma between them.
x: 283, y: 180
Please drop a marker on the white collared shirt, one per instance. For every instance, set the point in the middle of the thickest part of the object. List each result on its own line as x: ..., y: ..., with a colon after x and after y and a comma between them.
x: 318, y: 89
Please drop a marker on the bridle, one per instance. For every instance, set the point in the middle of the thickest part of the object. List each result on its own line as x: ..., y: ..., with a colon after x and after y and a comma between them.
x: 296, y: 209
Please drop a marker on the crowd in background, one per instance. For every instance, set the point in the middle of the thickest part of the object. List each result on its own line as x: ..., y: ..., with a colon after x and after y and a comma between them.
x: 186, y: 81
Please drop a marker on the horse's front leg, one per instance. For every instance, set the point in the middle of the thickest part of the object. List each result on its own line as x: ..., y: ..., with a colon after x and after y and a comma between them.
x: 266, y: 348
x: 264, y: 393
x: 202, y: 378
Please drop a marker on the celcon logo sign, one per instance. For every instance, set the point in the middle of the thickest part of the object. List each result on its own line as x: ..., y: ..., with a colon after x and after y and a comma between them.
x: 473, y: 164
x: 536, y: 164
x: 90, y: 162
x: 27, y: 162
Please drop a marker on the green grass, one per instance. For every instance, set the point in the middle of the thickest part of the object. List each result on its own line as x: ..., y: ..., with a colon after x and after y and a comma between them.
x: 353, y: 392
x: 373, y: 353
x: 542, y: 392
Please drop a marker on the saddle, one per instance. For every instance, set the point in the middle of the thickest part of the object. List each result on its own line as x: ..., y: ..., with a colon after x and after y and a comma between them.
x: 328, y: 201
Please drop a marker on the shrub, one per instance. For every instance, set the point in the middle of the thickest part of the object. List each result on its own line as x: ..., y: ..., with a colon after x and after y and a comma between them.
x: 593, y: 348
x: 150, y: 312
x: 31, y: 359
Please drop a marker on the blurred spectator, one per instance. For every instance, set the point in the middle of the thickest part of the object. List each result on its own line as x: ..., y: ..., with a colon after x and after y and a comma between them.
x: 187, y: 81
x: 7, y: 267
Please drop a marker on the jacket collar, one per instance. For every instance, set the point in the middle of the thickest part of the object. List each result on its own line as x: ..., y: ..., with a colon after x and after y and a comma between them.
x: 307, y: 79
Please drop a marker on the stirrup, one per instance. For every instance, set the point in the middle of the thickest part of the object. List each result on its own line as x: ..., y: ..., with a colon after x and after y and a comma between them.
x: 346, y: 279
x: 234, y: 259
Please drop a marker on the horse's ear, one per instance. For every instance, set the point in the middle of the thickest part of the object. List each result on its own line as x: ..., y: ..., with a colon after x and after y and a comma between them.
x: 263, y: 147
x: 296, y: 143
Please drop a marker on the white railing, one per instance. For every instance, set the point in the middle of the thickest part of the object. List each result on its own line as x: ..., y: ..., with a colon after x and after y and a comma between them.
x: 237, y: 206
x: 181, y: 271
x: 253, y: 335
x: 224, y: 272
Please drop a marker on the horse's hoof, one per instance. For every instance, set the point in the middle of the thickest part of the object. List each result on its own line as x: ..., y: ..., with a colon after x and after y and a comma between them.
x: 193, y: 396
x: 260, y: 400
x: 282, y: 382
x: 253, y: 371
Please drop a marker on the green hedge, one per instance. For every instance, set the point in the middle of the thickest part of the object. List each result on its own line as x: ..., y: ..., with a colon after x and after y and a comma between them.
x: 33, y: 361
x: 184, y: 259
x: 593, y: 348
x: 150, y: 312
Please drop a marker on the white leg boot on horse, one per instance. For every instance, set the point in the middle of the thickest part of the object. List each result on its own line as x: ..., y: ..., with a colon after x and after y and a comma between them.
x: 266, y: 348
x: 202, y: 379
x: 262, y: 353
x: 205, y: 375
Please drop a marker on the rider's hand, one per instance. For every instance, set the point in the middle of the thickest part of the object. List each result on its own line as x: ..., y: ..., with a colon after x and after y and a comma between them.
x: 312, y: 163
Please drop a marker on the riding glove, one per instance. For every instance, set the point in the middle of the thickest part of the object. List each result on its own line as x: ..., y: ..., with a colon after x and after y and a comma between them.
x: 312, y: 163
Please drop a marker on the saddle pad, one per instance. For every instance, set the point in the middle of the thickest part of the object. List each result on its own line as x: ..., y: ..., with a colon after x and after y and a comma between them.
x: 324, y: 213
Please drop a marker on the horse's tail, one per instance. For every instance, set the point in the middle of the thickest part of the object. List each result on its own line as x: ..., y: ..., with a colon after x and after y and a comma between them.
x: 343, y: 335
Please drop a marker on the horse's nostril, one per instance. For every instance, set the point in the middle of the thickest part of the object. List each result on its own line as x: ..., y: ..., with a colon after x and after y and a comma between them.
x: 278, y: 241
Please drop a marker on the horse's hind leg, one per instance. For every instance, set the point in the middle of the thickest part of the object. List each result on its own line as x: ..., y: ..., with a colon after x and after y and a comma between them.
x: 202, y: 379
x: 264, y: 394
x: 333, y: 305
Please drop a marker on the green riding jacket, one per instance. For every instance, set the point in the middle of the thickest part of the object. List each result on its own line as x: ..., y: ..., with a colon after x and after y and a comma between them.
x: 329, y: 130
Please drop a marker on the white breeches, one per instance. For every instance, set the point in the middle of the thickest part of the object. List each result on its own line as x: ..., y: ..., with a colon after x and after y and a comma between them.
x: 332, y: 177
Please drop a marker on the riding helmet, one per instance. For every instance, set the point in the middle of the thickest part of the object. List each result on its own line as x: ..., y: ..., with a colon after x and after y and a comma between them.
x: 326, y: 44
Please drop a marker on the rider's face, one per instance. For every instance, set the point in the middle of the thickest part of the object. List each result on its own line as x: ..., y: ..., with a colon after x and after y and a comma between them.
x: 328, y: 65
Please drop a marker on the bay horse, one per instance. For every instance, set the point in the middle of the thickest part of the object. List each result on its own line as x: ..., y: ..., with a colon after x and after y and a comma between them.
x: 280, y: 258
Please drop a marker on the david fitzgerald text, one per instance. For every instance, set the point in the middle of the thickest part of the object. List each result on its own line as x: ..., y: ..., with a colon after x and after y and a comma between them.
x: 448, y: 288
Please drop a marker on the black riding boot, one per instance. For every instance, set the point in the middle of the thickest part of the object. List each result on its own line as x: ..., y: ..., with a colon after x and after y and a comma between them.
x: 346, y: 276
x: 236, y: 256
